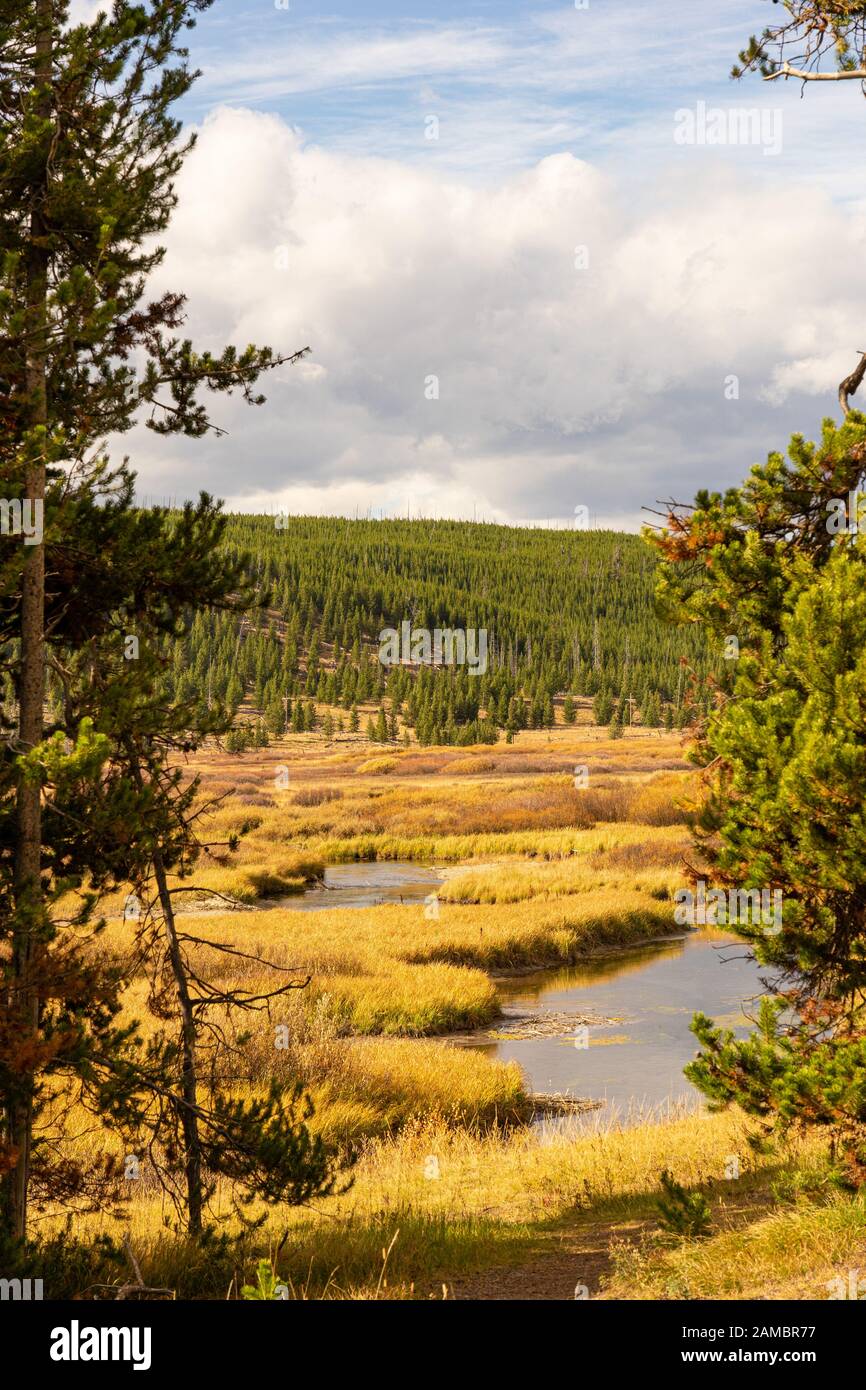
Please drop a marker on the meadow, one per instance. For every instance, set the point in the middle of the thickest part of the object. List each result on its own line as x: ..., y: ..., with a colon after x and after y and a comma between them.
x: 453, y: 1191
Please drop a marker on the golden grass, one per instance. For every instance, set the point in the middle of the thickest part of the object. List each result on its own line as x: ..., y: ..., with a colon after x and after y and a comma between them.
x: 383, y: 974
x: 312, y: 758
x: 376, y: 766
x: 616, y: 863
x: 459, y: 1200
x: 799, y: 1252
x: 245, y: 883
x: 360, y: 1086
x: 448, y: 1179
x: 394, y: 970
x: 246, y: 880
x: 393, y: 1081
x: 390, y: 817
x: 455, y: 849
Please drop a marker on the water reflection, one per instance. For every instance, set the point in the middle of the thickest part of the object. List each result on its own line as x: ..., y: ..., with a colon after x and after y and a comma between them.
x: 369, y: 884
x: 652, y: 992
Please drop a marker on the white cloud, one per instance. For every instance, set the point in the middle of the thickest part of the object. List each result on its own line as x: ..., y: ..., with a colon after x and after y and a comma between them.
x: 85, y: 11
x: 815, y: 375
x: 279, y: 63
x: 557, y: 386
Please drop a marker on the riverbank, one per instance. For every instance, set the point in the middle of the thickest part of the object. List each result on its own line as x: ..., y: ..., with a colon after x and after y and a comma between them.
x: 433, y: 1031
x: 439, y: 1211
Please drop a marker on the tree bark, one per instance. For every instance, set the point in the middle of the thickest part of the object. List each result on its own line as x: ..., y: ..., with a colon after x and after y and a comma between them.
x: 852, y: 383
x: 31, y: 687
x: 189, y: 1076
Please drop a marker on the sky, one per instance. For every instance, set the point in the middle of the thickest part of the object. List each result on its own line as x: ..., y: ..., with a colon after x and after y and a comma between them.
x: 547, y: 257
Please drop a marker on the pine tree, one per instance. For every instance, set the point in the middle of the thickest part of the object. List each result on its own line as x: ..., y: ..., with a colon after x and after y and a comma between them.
x: 785, y: 750
x: 602, y: 707
x: 817, y: 40
x: 650, y: 711
x: 275, y: 716
x: 89, y: 152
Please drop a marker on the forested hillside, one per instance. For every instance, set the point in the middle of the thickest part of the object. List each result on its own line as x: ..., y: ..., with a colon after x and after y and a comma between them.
x: 566, y: 613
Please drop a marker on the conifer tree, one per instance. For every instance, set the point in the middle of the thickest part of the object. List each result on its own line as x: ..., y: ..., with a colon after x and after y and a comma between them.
x: 381, y: 733
x: 780, y: 563
x: 88, y: 155
x: 816, y: 41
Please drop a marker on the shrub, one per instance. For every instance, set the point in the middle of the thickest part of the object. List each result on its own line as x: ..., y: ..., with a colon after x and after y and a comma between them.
x: 683, y: 1213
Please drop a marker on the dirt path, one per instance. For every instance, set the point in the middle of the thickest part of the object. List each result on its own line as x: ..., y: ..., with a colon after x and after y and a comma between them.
x: 577, y: 1253
x: 579, y: 1256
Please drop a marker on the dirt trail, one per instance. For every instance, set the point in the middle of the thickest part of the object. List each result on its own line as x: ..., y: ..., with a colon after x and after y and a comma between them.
x: 577, y: 1256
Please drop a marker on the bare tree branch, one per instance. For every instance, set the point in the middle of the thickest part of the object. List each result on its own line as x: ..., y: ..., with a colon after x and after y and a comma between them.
x: 852, y: 382
x: 841, y: 75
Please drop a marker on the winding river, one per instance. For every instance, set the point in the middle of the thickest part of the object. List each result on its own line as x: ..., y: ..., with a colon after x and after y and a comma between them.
x: 647, y: 995
x: 641, y: 1000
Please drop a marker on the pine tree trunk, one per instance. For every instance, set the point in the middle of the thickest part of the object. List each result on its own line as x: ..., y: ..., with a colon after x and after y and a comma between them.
x: 28, y: 848
x: 189, y: 1078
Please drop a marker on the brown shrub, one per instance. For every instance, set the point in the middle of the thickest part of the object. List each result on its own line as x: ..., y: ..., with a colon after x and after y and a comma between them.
x: 316, y: 796
x: 649, y: 854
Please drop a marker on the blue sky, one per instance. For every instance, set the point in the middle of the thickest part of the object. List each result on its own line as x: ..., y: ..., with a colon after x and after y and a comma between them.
x: 317, y: 208
x: 509, y: 82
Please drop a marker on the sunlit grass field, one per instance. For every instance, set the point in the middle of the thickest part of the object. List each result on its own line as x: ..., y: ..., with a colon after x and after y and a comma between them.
x: 435, y: 1202
x: 554, y: 849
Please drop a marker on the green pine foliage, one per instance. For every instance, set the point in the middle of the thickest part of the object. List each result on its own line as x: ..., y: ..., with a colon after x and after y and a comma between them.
x: 684, y: 1214
x: 564, y: 612
x: 783, y: 746
x: 815, y: 38
x: 95, y: 704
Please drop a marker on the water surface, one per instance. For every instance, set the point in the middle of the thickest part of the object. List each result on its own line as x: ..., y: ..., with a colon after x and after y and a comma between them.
x: 369, y: 884
x: 652, y: 992
x: 634, y: 1062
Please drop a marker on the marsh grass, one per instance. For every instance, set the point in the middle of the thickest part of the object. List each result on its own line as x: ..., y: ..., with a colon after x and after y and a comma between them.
x: 393, y: 970
x: 792, y: 1251
x: 383, y: 815
x: 654, y: 867
x: 576, y: 872
x: 495, y: 1193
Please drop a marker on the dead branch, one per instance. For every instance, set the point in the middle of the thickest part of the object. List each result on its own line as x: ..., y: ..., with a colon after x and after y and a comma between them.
x: 852, y: 382
x: 842, y: 75
x: 233, y: 951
